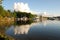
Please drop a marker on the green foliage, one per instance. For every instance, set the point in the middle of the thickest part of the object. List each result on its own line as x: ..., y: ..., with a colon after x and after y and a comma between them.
x: 14, y: 14
x: 5, y: 13
x: 1, y: 9
x: 8, y: 13
x: 24, y: 14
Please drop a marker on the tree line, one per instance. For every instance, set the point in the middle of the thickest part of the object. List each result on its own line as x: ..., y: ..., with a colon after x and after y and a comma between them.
x: 8, y: 13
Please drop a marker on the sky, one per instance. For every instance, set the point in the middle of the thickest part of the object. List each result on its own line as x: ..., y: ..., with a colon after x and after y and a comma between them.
x: 51, y: 7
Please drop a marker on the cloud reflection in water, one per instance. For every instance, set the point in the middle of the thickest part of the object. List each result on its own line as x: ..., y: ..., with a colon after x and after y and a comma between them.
x: 23, y: 29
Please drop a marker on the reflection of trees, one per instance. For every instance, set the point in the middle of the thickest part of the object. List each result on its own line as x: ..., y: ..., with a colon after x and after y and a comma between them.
x: 24, y: 22
x: 44, y: 22
x: 23, y: 29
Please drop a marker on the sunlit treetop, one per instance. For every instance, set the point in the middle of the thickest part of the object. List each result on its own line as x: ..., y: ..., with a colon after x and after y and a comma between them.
x: 1, y: 1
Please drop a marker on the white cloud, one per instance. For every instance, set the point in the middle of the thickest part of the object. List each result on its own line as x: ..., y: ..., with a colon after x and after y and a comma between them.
x: 23, y: 7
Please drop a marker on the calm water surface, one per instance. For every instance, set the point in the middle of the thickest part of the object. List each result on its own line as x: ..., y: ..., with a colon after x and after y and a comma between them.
x: 45, y: 30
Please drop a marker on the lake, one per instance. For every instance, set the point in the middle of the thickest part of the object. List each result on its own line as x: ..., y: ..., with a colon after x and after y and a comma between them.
x: 43, y: 30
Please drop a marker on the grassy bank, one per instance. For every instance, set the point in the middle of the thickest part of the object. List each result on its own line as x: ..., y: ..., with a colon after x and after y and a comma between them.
x: 4, y: 23
x: 6, y: 20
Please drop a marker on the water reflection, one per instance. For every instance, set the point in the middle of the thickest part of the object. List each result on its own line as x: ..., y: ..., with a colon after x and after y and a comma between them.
x: 23, y: 22
x: 43, y: 30
x: 22, y: 29
x: 44, y: 23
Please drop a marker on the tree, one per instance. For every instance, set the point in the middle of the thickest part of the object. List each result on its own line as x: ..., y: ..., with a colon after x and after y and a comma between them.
x: 14, y: 14
x: 1, y: 2
x: 1, y: 10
